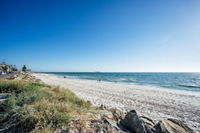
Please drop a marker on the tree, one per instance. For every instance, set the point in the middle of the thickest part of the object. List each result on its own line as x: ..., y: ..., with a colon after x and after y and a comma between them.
x: 24, y: 68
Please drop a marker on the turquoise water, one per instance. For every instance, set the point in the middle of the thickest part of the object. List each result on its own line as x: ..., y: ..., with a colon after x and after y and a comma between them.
x: 180, y: 81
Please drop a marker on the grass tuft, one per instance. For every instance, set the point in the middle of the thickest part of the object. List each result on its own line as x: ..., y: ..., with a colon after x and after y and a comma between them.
x: 37, y: 107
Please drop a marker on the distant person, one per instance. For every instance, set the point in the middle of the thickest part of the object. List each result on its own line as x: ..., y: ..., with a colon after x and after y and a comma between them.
x: 64, y: 77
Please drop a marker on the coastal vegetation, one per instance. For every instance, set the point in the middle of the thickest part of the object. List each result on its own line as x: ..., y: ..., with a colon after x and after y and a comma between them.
x: 36, y: 107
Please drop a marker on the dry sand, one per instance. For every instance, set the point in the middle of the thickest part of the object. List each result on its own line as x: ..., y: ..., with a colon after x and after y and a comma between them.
x: 156, y: 103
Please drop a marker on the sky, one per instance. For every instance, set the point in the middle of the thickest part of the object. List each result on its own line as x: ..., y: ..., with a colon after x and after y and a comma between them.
x: 101, y: 35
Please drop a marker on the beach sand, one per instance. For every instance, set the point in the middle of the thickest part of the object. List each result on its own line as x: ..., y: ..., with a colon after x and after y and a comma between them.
x: 155, y: 103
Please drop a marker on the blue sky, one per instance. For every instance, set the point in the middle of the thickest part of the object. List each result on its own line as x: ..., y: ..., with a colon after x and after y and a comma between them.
x: 101, y: 35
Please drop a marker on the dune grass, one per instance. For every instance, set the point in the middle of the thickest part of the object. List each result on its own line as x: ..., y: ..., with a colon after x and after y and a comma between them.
x: 36, y: 107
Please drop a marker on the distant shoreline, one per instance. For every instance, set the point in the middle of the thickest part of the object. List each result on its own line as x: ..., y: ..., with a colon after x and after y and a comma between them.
x: 155, y: 103
x: 169, y: 81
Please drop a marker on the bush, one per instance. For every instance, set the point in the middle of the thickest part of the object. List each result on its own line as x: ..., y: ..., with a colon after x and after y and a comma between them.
x: 9, y: 103
x: 21, y: 93
x: 11, y: 86
x: 38, y: 107
x: 8, y: 86
x: 31, y: 96
x: 64, y: 95
x: 38, y: 116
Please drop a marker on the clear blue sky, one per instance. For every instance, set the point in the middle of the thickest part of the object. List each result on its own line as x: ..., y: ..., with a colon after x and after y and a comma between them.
x: 101, y: 35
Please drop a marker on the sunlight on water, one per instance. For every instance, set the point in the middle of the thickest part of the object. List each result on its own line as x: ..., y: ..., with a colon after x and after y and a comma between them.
x: 180, y: 81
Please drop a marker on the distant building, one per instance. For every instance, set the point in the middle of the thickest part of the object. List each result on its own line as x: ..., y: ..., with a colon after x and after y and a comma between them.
x: 2, y: 73
x: 4, y: 69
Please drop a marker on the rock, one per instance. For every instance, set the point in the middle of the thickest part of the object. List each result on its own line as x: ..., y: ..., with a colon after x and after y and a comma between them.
x: 92, y: 123
x: 134, y: 123
x: 102, y: 107
x: 12, y: 77
x: 118, y: 115
x: 109, y: 116
x: 172, y: 126
x: 149, y: 122
x: 112, y: 123
x: 17, y: 78
x: 96, y: 121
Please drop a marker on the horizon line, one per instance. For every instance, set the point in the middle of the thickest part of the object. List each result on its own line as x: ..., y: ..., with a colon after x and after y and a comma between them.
x: 106, y: 72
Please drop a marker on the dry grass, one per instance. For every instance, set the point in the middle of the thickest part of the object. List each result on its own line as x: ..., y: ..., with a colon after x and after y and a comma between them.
x: 36, y: 107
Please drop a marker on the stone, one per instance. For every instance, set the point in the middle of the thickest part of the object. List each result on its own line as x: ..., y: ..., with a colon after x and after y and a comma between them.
x: 134, y: 123
x: 149, y: 122
x: 172, y: 126
x: 118, y: 115
x: 109, y: 116
x: 112, y: 123
x: 102, y: 107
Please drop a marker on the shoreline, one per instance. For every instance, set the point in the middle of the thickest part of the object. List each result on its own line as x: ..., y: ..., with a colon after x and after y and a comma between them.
x: 155, y: 103
x: 148, y: 87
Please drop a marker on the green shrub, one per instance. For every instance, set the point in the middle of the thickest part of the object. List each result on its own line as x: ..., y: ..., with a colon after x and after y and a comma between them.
x: 64, y: 95
x: 9, y: 103
x: 21, y: 93
x: 18, y: 86
x: 31, y: 96
x: 11, y: 86
x: 38, y: 116
x: 38, y: 107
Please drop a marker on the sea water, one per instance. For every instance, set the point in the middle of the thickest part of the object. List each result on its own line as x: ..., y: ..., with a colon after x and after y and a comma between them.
x: 180, y: 81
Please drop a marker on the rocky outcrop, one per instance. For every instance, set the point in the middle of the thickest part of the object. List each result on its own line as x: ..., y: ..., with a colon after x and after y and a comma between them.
x: 172, y: 126
x: 134, y: 123
x: 98, y: 123
x: 149, y: 122
x: 143, y: 124
x: 114, y: 122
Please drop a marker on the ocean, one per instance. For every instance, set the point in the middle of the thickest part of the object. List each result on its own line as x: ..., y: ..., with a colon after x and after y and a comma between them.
x: 179, y: 81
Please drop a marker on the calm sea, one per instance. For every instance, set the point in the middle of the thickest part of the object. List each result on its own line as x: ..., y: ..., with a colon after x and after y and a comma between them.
x: 180, y: 81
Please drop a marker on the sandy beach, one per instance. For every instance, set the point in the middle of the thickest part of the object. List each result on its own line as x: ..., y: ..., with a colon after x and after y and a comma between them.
x: 148, y: 101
